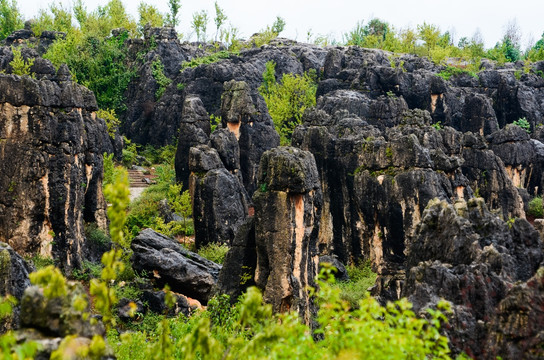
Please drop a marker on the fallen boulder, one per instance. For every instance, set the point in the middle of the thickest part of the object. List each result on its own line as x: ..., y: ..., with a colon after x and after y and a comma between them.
x: 167, y: 262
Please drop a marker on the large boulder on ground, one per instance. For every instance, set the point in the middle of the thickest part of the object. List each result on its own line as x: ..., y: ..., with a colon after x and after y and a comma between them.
x: 287, y: 216
x: 167, y: 262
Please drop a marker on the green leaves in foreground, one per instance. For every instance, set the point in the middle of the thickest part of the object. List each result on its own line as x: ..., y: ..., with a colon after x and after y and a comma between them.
x: 249, y: 330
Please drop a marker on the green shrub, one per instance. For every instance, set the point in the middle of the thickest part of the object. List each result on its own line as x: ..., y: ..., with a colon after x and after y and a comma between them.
x: 535, y: 207
x: 111, y: 120
x: 214, y: 252
x: 40, y: 261
x: 288, y: 99
x: 208, y: 59
x: 96, y: 235
x: 109, y: 169
x: 157, y: 70
x: 450, y: 71
x: 361, y: 278
x: 524, y: 124
x: 10, y: 18
x: 19, y: 65
x: 87, y: 271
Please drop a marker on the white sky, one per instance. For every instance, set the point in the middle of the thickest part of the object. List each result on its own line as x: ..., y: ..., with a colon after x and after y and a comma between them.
x: 336, y: 17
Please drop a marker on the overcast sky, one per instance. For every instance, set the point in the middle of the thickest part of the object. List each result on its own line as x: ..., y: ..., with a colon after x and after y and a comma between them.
x: 336, y: 17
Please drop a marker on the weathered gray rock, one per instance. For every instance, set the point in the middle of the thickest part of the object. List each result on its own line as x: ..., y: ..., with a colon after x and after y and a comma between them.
x: 194, y: 130
x: 167, y: 262
x: 238, y: 272
x: 220, y: 202
x: 14, y: 272
x: 51, y: 125
x: 287, y: 216
x: 56, y: 316
x: 470, y: 257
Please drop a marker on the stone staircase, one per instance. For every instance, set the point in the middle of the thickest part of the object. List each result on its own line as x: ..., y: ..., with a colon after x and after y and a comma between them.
x: 137, y: 179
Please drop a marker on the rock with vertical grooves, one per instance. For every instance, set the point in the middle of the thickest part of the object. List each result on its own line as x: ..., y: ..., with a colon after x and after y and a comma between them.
x: 51, y: 146
x: 471, y: 258
x: 239, y: 116
x: 238, y: 272
x: 287, y: 216
x: 220, y: 202
x: 194, y: 130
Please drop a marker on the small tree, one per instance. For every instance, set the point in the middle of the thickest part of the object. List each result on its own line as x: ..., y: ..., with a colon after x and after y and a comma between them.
x: 149, y: 14
x: 219, y: 19
x: 199, y: 25
x: 172, y: 16
x: 10, y: 18
x: 19, y: 65
x: 278, y: 25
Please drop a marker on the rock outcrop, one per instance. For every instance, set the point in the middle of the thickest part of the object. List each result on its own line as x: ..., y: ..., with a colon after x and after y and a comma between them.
x: 471, y: 258
x: 220, y: 202
x: 167, y: 262
x: 14, y: 272
x: 287, y: 217
x: 51, y: 146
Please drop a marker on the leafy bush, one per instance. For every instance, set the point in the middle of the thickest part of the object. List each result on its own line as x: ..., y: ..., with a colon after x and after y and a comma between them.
x: 109, y: 169
x: 10, y: 18
x: 19, y: 65
x: 88, y: 271
x: 208, y: 59
x: 361, y: 278
x: 157, y: 70
x: 111, y: 120
x: 535, y: 207
x: 214, y: 252
x: 40, y: 261
x: 450, y: 71
x: 524, y: 124
x: 288, y: 99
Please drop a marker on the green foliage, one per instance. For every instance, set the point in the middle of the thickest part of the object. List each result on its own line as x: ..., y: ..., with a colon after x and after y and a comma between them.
x: 361, y: 278
x: 112, y: 122
x: 149, y: 14
x: 58, y: 18
x: 109, y: 169
x: 96, y: 235
x: 219, y: 20
x: 87, y: 271
x: 10, y: 18
x: 157, y: 70
x: 214, y: 252
x: 19, y: 65
x: 450, y: 71
x: 208, y: 59
x: 215, y: 121
x: 72, y: 345
x: 437, y: 125
x: 51, y: 280
x: 96, y: 59
x: 199, y: 25
x: 117, y: 193
x: 172, y: 18
x: 269, y: 33
x: 160, y: 155
x: 288, y: 99
x: 535, y: 207
x: 40, y: 261
x: 130, y: 152
x: 524, y: 124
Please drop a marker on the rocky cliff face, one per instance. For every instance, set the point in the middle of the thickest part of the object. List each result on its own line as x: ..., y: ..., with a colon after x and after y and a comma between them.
x: 51, y: 146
